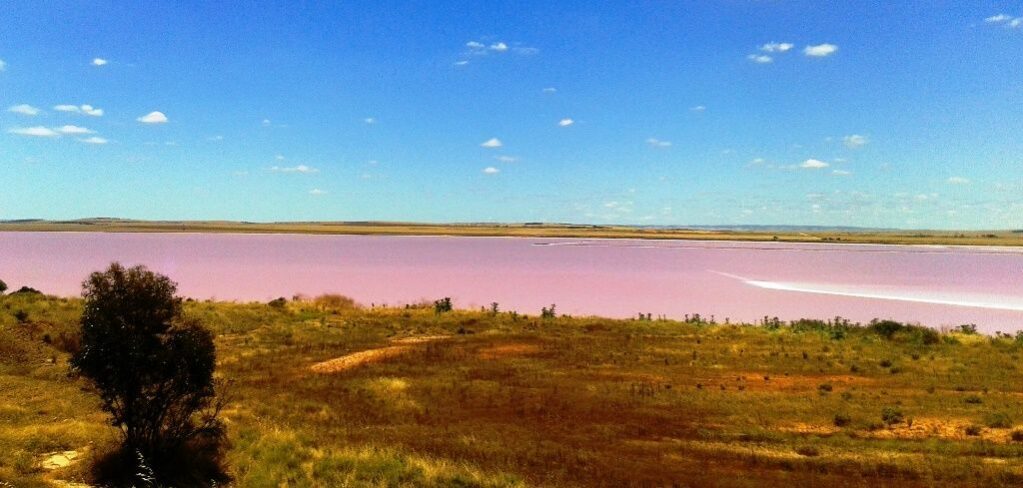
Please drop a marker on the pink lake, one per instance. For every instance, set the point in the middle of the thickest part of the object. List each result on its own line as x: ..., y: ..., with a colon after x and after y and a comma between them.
x: 933, y: 285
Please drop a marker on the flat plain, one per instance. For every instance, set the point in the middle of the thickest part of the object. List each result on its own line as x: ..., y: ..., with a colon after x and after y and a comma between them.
x: 852, y: 236
x: 327, y: 393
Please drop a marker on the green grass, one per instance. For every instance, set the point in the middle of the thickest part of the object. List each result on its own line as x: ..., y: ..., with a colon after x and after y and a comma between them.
x: 520, y: 401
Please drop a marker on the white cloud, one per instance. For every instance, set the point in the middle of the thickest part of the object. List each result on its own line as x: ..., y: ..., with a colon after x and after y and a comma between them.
x: 94, y: 140
x: 658, y: 143
x: 37, y: 131
x: 461, y: 63
x: 998, y: 19
x: 216, y: 138
x: 492, y: 143
x: 499, y: 47
x: 757, y: 161
x: 698, y: 108
x: 279, y: 157
x: 295, y: 169
x: 490, y: 170
x: 474, y: 45
x: 958, y: 180
x: 760, y: 58
x: 317, y: 191
x: 565, y: 122
x: 820, y: 50
x: 549, y: 90
x: 841, y: 172
x: 814, y: 164
x: 24, y: 109
x: 266, y: 122
x: 370, y: 120
x: 506, y: 159
x: 99, y: 61
x: 74, y: 130
x: 83, y: 109
x: 3, y: 65
x: 778, y: 47
x: 153, y: 118
x: 855, y: 141
x: 1014, y: 23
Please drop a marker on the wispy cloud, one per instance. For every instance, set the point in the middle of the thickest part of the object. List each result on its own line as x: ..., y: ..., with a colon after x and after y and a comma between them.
x: 3, y: 65
x: 492, y: 143
x: 153, y: 118
x: 506, y: 159
x: 94, y: 140
x: 99, y: 62
x: 317, y: 192
x: 657, y: 142
x: 958, y: 180
x: 294, y: 169
x: 74, y: 130
x: 1006, y: 20
x: 760, y: 58
x: 814, y: 164
x: 777, y: 47
x: 370, y: 120
x: 855, y: 141
x: 216, y: 138
x: 80, y: 109
x: 565, y: 122
x: 24, y: 109
x: 490, y: 170
x: 499, y: 47
x: 841, y: 172
x: 550, y: 89
x: 37, y: 131
x: 820, y: 50
x: 698, y: 108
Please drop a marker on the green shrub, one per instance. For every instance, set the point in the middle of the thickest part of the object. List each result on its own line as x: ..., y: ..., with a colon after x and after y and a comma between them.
x: 973, y: 400
x: 825, y: 387
x: 842, y: 420
x: 1016, y: 436
x: 973, y: 430
x: 891, y: 416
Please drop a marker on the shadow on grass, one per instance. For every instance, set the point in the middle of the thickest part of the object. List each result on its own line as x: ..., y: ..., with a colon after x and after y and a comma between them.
x: 195, y: 464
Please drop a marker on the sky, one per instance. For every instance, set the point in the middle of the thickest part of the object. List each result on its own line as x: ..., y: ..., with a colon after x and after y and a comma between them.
x: 901, y: 114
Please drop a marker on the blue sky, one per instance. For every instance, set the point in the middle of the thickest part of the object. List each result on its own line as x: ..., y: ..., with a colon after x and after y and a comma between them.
x: 892, y: 114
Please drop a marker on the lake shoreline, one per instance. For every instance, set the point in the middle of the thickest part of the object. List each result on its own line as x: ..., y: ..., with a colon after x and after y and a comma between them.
x: 965, y: 239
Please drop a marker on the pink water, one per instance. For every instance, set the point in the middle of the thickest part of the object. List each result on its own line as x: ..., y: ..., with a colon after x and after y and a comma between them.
x: 937, y: 286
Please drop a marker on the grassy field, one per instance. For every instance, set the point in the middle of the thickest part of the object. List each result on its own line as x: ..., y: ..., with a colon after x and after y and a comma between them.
x: 326, y: 394
x: 922, y: 237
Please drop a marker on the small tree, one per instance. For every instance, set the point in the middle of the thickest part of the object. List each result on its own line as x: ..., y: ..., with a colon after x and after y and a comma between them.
x: 154, y: 373
x: 3, y: 287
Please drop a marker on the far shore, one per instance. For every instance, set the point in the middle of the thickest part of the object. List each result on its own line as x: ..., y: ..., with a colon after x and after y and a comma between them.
x: 1004, y: 238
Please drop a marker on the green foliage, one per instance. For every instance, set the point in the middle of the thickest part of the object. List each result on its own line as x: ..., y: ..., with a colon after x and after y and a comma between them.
x: 968, y: 329
x: 152, y: 368
x: 3, y: 287
x: 442, y: 306
x: 891, y: 416
x: 548, y: 313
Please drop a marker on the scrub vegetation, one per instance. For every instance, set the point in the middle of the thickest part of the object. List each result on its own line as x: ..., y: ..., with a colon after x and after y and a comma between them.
x: 325, y: 393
